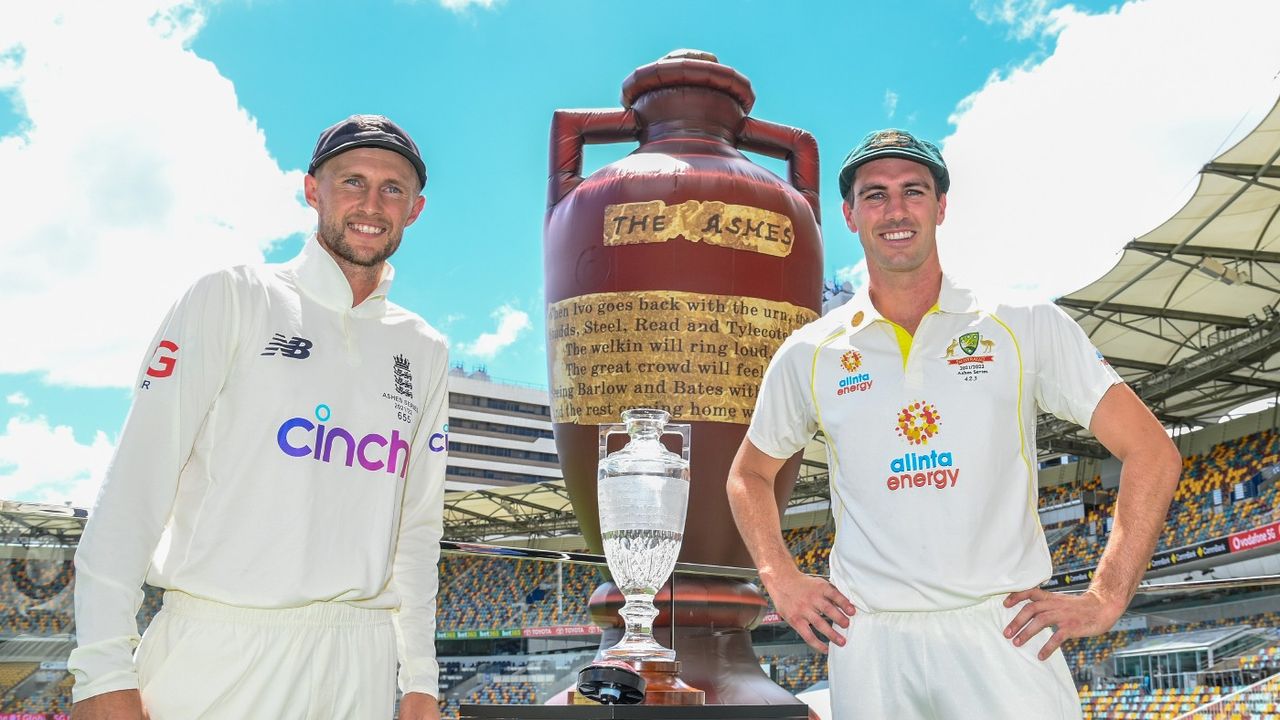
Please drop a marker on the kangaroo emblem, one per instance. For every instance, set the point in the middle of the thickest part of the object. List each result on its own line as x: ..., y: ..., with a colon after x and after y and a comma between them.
x: 951, y: 349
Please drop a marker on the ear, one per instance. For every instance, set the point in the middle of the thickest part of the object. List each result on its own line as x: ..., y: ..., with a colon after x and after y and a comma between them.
x: 309, y: 186
x: 418, y: 203
x: 848, y: 216
x: 942, y: 208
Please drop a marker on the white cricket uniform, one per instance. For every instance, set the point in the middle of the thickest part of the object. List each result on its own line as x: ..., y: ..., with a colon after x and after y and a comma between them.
x: 285, y: 453
x: 931, y: 448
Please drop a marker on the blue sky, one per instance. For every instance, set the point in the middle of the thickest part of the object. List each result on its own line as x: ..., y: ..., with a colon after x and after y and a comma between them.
x: 152, y: 141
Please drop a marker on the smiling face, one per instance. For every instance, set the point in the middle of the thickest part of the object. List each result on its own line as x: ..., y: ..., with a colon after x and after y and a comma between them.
x: 365, y: 198
x: 895, y: 209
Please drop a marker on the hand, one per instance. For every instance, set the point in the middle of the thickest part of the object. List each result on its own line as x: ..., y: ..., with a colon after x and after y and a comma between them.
x: 1070, y: 616
x: 118, y: 705
x: 810, y: 605
x: 419, y: 706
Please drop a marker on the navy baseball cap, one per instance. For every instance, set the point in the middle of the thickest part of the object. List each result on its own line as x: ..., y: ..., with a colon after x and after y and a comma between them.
x: 367, y: 131
x: 894, y: 143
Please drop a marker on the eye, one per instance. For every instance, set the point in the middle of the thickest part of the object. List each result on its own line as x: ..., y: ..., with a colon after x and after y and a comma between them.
x: 914, y: 191
x: 352, y: 181
x: 394, y: 190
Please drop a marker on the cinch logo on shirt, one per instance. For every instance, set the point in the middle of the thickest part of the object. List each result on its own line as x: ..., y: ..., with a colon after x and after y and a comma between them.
x: 918, y: 423
x: 439, y: 442
x: 851, y: 361
x: 395, y: 450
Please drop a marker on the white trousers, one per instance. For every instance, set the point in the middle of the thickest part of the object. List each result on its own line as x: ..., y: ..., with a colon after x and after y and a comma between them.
x: 947, y: 665
x: 201, y: 659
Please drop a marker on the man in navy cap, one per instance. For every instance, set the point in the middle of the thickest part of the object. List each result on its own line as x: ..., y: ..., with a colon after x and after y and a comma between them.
x: 927, y: 397
x: 281, y: 477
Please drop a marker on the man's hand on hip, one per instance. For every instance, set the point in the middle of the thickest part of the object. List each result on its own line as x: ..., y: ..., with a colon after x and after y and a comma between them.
x: 118, y: 705
x: 1070, y: 616
x: 811, y: 605
x: 419, y: 706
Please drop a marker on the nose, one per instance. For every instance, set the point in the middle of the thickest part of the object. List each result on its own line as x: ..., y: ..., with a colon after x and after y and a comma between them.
x: 895, y: 208
x: 371, y: 201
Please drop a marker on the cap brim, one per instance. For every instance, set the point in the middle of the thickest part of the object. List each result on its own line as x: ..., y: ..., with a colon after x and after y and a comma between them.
x: 414, y: 160
x: 846, y: 172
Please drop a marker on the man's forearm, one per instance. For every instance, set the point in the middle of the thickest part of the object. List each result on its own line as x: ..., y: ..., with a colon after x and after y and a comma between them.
x: 755, y: 513
x: 1147, y: 483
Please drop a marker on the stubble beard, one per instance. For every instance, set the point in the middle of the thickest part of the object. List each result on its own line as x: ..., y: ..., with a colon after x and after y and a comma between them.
x: 333, y: 235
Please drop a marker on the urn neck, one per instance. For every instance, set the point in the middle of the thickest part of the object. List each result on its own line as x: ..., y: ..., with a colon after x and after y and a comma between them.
x: 677, y: 113
x: 645, y: 425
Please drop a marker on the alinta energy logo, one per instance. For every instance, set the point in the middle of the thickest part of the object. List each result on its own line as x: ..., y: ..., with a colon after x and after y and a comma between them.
x: 918, y: 423
x: 299, y: 437
x: 851, y: 361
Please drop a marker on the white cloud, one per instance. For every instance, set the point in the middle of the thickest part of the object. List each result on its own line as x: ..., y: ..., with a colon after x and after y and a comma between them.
x: 461, y: 5
x: 855, y: 275
x: 890, y: 103
x: 511, y: 322
x: 18, y: 398
x: 1056, y: 165
x: 40, y: 463
x: 136, y: 171
x: 1024, y: 17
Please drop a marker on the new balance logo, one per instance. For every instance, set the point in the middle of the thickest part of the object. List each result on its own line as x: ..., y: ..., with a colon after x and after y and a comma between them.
x: 294, y: 347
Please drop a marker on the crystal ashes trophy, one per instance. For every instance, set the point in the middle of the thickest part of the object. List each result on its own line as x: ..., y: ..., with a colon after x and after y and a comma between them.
x: 643, y: 498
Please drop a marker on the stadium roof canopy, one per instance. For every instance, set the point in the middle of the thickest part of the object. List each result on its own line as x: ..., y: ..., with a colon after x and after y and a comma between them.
x: 1209, y: 638
x: 1188, y: 316
x: 26, y: 525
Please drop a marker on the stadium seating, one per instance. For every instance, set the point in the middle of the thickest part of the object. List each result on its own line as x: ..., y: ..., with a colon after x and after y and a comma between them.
x: 491, y: 593
x: 481, y: 593
x: 1202, y: 508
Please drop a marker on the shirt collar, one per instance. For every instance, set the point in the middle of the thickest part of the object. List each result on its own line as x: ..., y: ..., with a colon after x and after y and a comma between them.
x: 320, y: 277
x: 860, y: 312
x: 954, y: 298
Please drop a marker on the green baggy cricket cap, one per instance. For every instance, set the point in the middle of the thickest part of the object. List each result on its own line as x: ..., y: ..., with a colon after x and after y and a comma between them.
x: 894, y: 143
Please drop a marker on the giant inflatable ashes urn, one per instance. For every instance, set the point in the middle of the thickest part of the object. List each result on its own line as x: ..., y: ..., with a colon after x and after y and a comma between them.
x: 672, y: 276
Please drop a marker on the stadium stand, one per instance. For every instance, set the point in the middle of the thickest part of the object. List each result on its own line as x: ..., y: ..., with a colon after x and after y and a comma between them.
x: 1224, y: 490
x: 1221, y: 492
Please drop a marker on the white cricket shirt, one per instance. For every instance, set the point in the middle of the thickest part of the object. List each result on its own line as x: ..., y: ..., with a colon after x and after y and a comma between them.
x: 283, y: 448
x: 931, y: 440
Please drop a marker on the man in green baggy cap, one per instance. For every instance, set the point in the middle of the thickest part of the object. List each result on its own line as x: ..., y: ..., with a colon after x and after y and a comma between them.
x: 927, y: 397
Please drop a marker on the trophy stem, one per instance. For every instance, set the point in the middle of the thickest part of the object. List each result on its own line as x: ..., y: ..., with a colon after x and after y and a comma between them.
x: 638, y: 615
x: 637, y: 642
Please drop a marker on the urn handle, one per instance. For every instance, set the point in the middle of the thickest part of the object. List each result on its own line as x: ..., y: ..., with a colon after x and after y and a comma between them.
x: 570, y: 130
x: 784, y: 142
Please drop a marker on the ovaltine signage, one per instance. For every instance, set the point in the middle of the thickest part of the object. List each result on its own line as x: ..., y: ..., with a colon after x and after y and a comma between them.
x: 1257, y: 537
